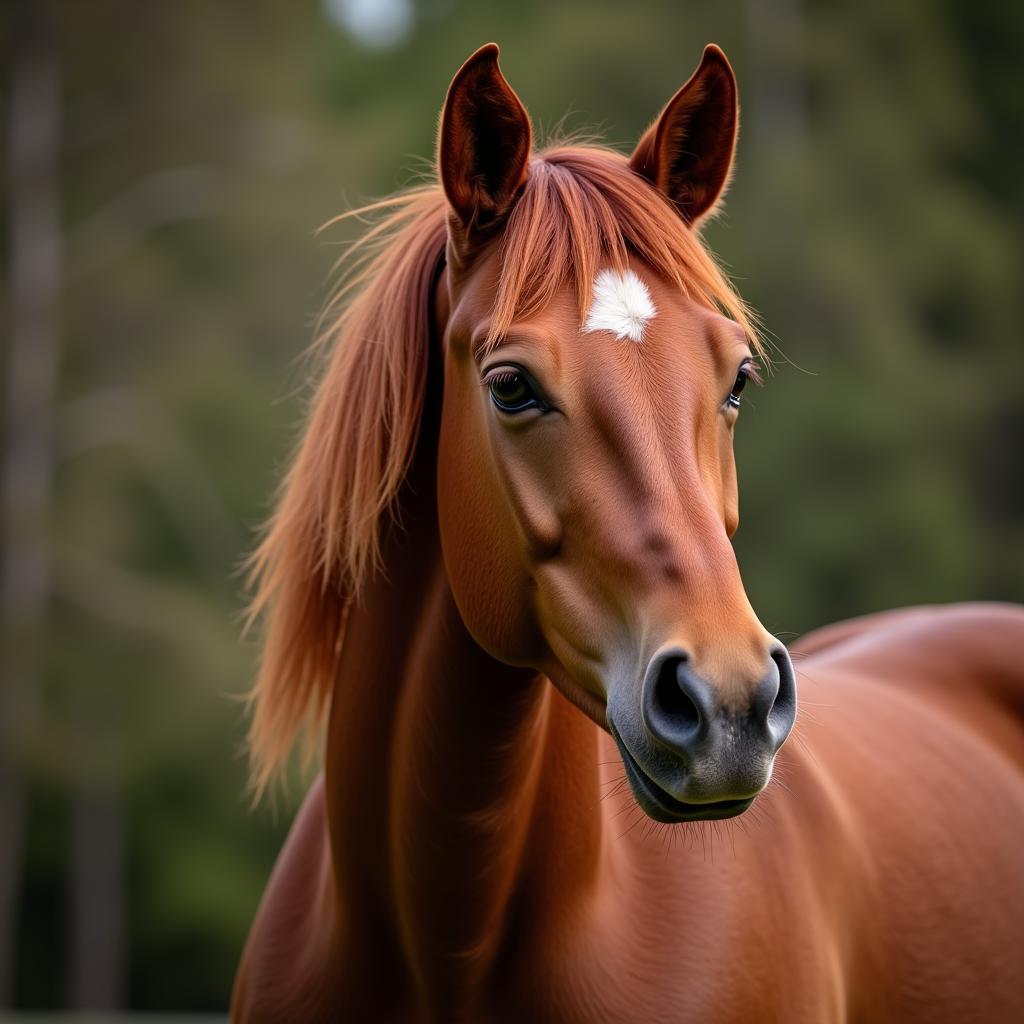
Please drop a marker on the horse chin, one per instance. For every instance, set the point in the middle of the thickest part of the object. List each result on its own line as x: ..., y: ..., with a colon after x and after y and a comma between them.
x: 660, y: 805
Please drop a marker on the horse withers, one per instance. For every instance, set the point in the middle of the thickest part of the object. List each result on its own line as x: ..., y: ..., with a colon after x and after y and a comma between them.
x: 500, y: 581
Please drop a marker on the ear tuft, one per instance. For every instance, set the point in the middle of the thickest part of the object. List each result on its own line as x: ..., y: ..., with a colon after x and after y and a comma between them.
x: 688, y: 152
x: 484, y: 143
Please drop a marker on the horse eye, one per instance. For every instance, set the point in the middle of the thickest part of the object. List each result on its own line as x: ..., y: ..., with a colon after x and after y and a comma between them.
x: 733, y: 401
x: 511, y: 391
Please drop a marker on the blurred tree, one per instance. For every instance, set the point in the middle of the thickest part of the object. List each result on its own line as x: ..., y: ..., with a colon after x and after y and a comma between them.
x: 26, y: 466
x: 904, y: 311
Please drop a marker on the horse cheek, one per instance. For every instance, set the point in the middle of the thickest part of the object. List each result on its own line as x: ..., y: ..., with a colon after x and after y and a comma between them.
x: 730, y: 492
x: 486, y: 572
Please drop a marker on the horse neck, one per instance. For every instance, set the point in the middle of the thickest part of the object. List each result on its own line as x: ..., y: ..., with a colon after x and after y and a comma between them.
x: 459, y: 790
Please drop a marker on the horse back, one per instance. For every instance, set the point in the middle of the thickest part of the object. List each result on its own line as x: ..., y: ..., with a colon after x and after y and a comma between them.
x: 966, y: 659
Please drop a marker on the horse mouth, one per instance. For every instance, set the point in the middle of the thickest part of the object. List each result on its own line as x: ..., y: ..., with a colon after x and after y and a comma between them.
x: 656, y: 803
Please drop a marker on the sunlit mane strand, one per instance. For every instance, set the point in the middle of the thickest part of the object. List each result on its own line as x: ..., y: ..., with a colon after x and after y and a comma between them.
x: 581, y: 209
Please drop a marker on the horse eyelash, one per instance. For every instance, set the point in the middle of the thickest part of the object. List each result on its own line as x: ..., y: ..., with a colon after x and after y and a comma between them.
x: 754, y: 373
x: 498, y: 377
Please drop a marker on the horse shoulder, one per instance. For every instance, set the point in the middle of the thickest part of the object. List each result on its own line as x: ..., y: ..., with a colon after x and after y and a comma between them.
x: 911, y: 751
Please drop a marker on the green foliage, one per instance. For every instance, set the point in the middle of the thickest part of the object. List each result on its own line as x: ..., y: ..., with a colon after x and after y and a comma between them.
x: 874, y: 221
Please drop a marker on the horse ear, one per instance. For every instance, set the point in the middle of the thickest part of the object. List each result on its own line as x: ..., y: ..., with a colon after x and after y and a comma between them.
x: 687, y: 153
x: 484, y: 142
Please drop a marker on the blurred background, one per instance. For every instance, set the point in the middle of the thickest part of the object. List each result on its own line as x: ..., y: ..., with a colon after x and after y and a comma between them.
x: 166, y: 166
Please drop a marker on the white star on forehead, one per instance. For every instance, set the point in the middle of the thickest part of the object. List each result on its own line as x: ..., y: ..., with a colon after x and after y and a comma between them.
x: 621, y: 304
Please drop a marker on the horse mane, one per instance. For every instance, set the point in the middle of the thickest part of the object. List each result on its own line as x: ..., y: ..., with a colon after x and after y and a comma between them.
x: 581, y: 208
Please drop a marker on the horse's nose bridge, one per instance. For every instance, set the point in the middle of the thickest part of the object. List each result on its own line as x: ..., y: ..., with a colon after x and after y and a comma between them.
x: 645, y: 500
x: 668, y: 537
x: 659, y: 551
x: 694, y: 591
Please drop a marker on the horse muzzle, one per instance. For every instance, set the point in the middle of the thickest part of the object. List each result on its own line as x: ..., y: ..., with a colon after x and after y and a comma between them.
x: 688, y: 756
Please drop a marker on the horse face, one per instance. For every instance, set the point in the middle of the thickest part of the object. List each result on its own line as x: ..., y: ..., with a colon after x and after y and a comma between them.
x: 587, y: 486
x: 588, y: 494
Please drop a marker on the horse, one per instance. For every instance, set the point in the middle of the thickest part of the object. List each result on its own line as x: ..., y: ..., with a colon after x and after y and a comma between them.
x: 499, y: 592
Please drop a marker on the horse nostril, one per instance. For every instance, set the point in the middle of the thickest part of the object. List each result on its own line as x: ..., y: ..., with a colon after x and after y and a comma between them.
x: 782, y: 712
x: 678, y: 705
x: 671, y: 694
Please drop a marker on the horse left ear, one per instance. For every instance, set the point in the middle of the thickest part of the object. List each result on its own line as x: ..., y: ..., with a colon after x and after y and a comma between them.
x: 484, y: 143
x: 687, y: 153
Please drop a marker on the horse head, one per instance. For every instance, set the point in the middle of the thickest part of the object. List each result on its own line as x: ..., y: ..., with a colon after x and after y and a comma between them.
x: 587, y: 486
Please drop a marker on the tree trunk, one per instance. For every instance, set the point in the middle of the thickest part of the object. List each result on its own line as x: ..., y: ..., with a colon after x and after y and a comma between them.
x: 27, y: 460
x: 96, y: 899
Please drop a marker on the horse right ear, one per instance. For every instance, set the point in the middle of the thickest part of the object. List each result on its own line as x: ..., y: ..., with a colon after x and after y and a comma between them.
x: 484, y: 142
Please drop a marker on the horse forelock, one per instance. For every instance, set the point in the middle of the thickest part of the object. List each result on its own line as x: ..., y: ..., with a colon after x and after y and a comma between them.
x: 583, y: 209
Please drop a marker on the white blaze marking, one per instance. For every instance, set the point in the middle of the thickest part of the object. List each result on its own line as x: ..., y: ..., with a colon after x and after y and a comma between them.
x: 621, y: 304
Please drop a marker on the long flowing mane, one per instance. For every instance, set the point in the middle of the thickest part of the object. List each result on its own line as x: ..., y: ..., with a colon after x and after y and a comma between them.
x: 581, y: 208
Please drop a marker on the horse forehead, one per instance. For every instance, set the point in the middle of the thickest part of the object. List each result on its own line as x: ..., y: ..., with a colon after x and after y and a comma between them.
x: 633, y: 318
x: 634, y: 304
x: 646, y: 326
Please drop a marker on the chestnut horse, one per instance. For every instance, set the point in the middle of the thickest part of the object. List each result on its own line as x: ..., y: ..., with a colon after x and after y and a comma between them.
x: 501, y: 577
